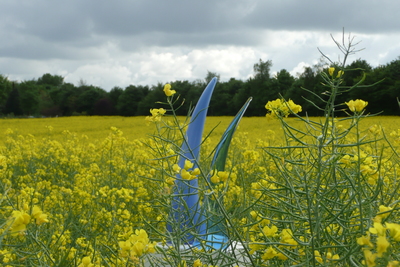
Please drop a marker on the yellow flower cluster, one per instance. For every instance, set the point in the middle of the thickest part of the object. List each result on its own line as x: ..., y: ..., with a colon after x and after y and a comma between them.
x: 284, y: 240
x: 156, y: 114
x: 137, y: 245
x: 368, y: 165
x: 187, y: 173
x: 357, y: 105
x: 396, y: 135
x: 332, y: 72
x: 19, y: 219
x: 282, y: 108
x: 376, y: 242
x: 219, y: 176
x: 168, y: 91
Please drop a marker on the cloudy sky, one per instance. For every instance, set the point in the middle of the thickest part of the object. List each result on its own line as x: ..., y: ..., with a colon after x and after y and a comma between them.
x: 120, y: 42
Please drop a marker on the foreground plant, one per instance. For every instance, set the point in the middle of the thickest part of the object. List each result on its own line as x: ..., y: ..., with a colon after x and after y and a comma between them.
x: 328, y: 181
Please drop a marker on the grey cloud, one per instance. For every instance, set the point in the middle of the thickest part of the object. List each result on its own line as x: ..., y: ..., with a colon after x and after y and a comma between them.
x: 192, y: 40
x: 361, y: 16
x: 68, y: 21
x: 173, y: 16
x: 91, y: 32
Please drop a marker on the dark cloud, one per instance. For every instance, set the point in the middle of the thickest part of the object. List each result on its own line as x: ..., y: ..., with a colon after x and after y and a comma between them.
x: 132, y: 37
x: 205, y: 22
x: 361, y: 16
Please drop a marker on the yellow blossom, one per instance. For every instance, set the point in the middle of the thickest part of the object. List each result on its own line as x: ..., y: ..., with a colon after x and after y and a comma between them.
x: 329, y: 256
x: 270, y: 231
x: 393, y: 263
x: 287, y: 237
x: 170, y: 181
x: 197, y: 263
x: 381, y: 245
x: 365, y: 241
x: 186, y: 175
x: 294, y: 107
x: 156, y: 114
x: 196, y: 171
x: 331, y: 71
x: 378, y: 229
x: 269, y: 253
x: 369, y: 258
x: 168, y: 91
x: 356, y: 105
x: 255, y: 215
x: 39, y: 215
x: 137, y: 245
x: 317, y: 256
x: 157, y: 111
x: 394, y: 230
x: 188, y: 165
x: 176, y: 168
x: 18, y: 221
x: 384, y: 211
x: 86, y: 262
x: 280, y: 107
x: 215, y: 179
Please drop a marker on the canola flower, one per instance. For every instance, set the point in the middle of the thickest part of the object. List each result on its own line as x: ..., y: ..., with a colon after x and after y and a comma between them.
x: 377, y: 243
x: 331, y: 72
x: 281, y: 108
x: 18, y: 222
x: 156, y: 114
x: 357, y: 105
x: 168, y: 91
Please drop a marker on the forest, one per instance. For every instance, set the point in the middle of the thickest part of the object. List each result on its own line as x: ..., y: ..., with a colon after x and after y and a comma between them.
x: 50, y: 96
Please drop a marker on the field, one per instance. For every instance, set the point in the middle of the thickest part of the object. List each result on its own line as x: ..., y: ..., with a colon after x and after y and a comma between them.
x: 97, y: 128
x: 97, y: 191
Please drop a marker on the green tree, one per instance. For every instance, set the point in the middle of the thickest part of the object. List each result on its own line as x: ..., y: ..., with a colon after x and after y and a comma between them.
x: 259, y: 87
x: 113, y: 96
x: 67, y: 99
x: 128, y: 101
x: 87, y: 99
x: 50, y: 80
x: 262, y: 70
x: 183, y: 88
x: 284, y: 81
x: 225, y: 101
x: 29, y: 97
x: 308, y: 87
x: 5, y: 89
x: 382, y: 97
x: 13, y: 103
x: 103, y: 107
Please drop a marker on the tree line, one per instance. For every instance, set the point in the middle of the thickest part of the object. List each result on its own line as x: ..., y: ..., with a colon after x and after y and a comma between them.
x: 50, y: 96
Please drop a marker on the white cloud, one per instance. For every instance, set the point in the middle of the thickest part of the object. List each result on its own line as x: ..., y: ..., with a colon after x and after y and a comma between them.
x: 296, y: 71
x: 108, y: 73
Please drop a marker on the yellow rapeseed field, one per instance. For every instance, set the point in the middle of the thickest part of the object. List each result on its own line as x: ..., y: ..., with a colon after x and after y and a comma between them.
x: 95, y: 191
x: 98, y: 127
